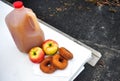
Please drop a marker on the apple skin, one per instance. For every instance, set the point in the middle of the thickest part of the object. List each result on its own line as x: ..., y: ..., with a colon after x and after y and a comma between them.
x: 36, y: 55
x: 50, y: 46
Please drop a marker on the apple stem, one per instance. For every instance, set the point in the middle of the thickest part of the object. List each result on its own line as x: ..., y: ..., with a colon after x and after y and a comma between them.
x: 34, y: 53
x: 50, y: 44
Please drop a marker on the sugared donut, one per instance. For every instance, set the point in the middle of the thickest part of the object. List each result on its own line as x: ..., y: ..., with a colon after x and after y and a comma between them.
x: 59, y: 61
x: 65, y: 53
x: 47, y: 66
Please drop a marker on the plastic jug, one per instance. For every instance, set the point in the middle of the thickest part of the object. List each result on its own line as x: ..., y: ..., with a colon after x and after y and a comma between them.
x: 24, y: 27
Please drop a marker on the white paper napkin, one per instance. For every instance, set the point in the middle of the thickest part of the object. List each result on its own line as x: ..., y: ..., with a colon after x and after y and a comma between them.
x: 66, y: 72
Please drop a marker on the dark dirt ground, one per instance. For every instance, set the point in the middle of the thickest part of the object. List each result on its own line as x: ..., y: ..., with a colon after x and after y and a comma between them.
x: 90, y: 24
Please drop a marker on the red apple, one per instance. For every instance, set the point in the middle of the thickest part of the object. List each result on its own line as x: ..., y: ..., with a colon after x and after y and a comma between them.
x: 50, y: 46
x: 36, y: 55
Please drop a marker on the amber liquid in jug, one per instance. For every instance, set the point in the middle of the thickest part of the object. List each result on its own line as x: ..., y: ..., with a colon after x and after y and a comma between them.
x: 24, y: 27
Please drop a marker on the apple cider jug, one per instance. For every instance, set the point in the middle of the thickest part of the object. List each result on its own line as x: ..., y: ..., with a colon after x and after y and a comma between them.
x: 24, y: 27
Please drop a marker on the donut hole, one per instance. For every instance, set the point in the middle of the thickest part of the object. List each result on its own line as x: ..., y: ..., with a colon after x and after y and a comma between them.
x: 48, y: 64
x: 60, y: 59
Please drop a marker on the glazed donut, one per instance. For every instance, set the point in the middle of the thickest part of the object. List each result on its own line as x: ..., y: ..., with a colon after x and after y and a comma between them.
x: 65, y: 53
x: 59, y: 61
x: 47, y: 66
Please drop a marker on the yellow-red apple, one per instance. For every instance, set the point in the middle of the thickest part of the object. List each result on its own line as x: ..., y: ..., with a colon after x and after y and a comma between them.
x: 36, y: 55
x: 50, y: 46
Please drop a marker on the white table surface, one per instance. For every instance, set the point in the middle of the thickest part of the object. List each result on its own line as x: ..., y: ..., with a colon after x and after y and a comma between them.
x: 16, y: 66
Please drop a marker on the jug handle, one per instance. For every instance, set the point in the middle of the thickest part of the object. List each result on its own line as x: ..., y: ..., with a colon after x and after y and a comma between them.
x: 33, y: 20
